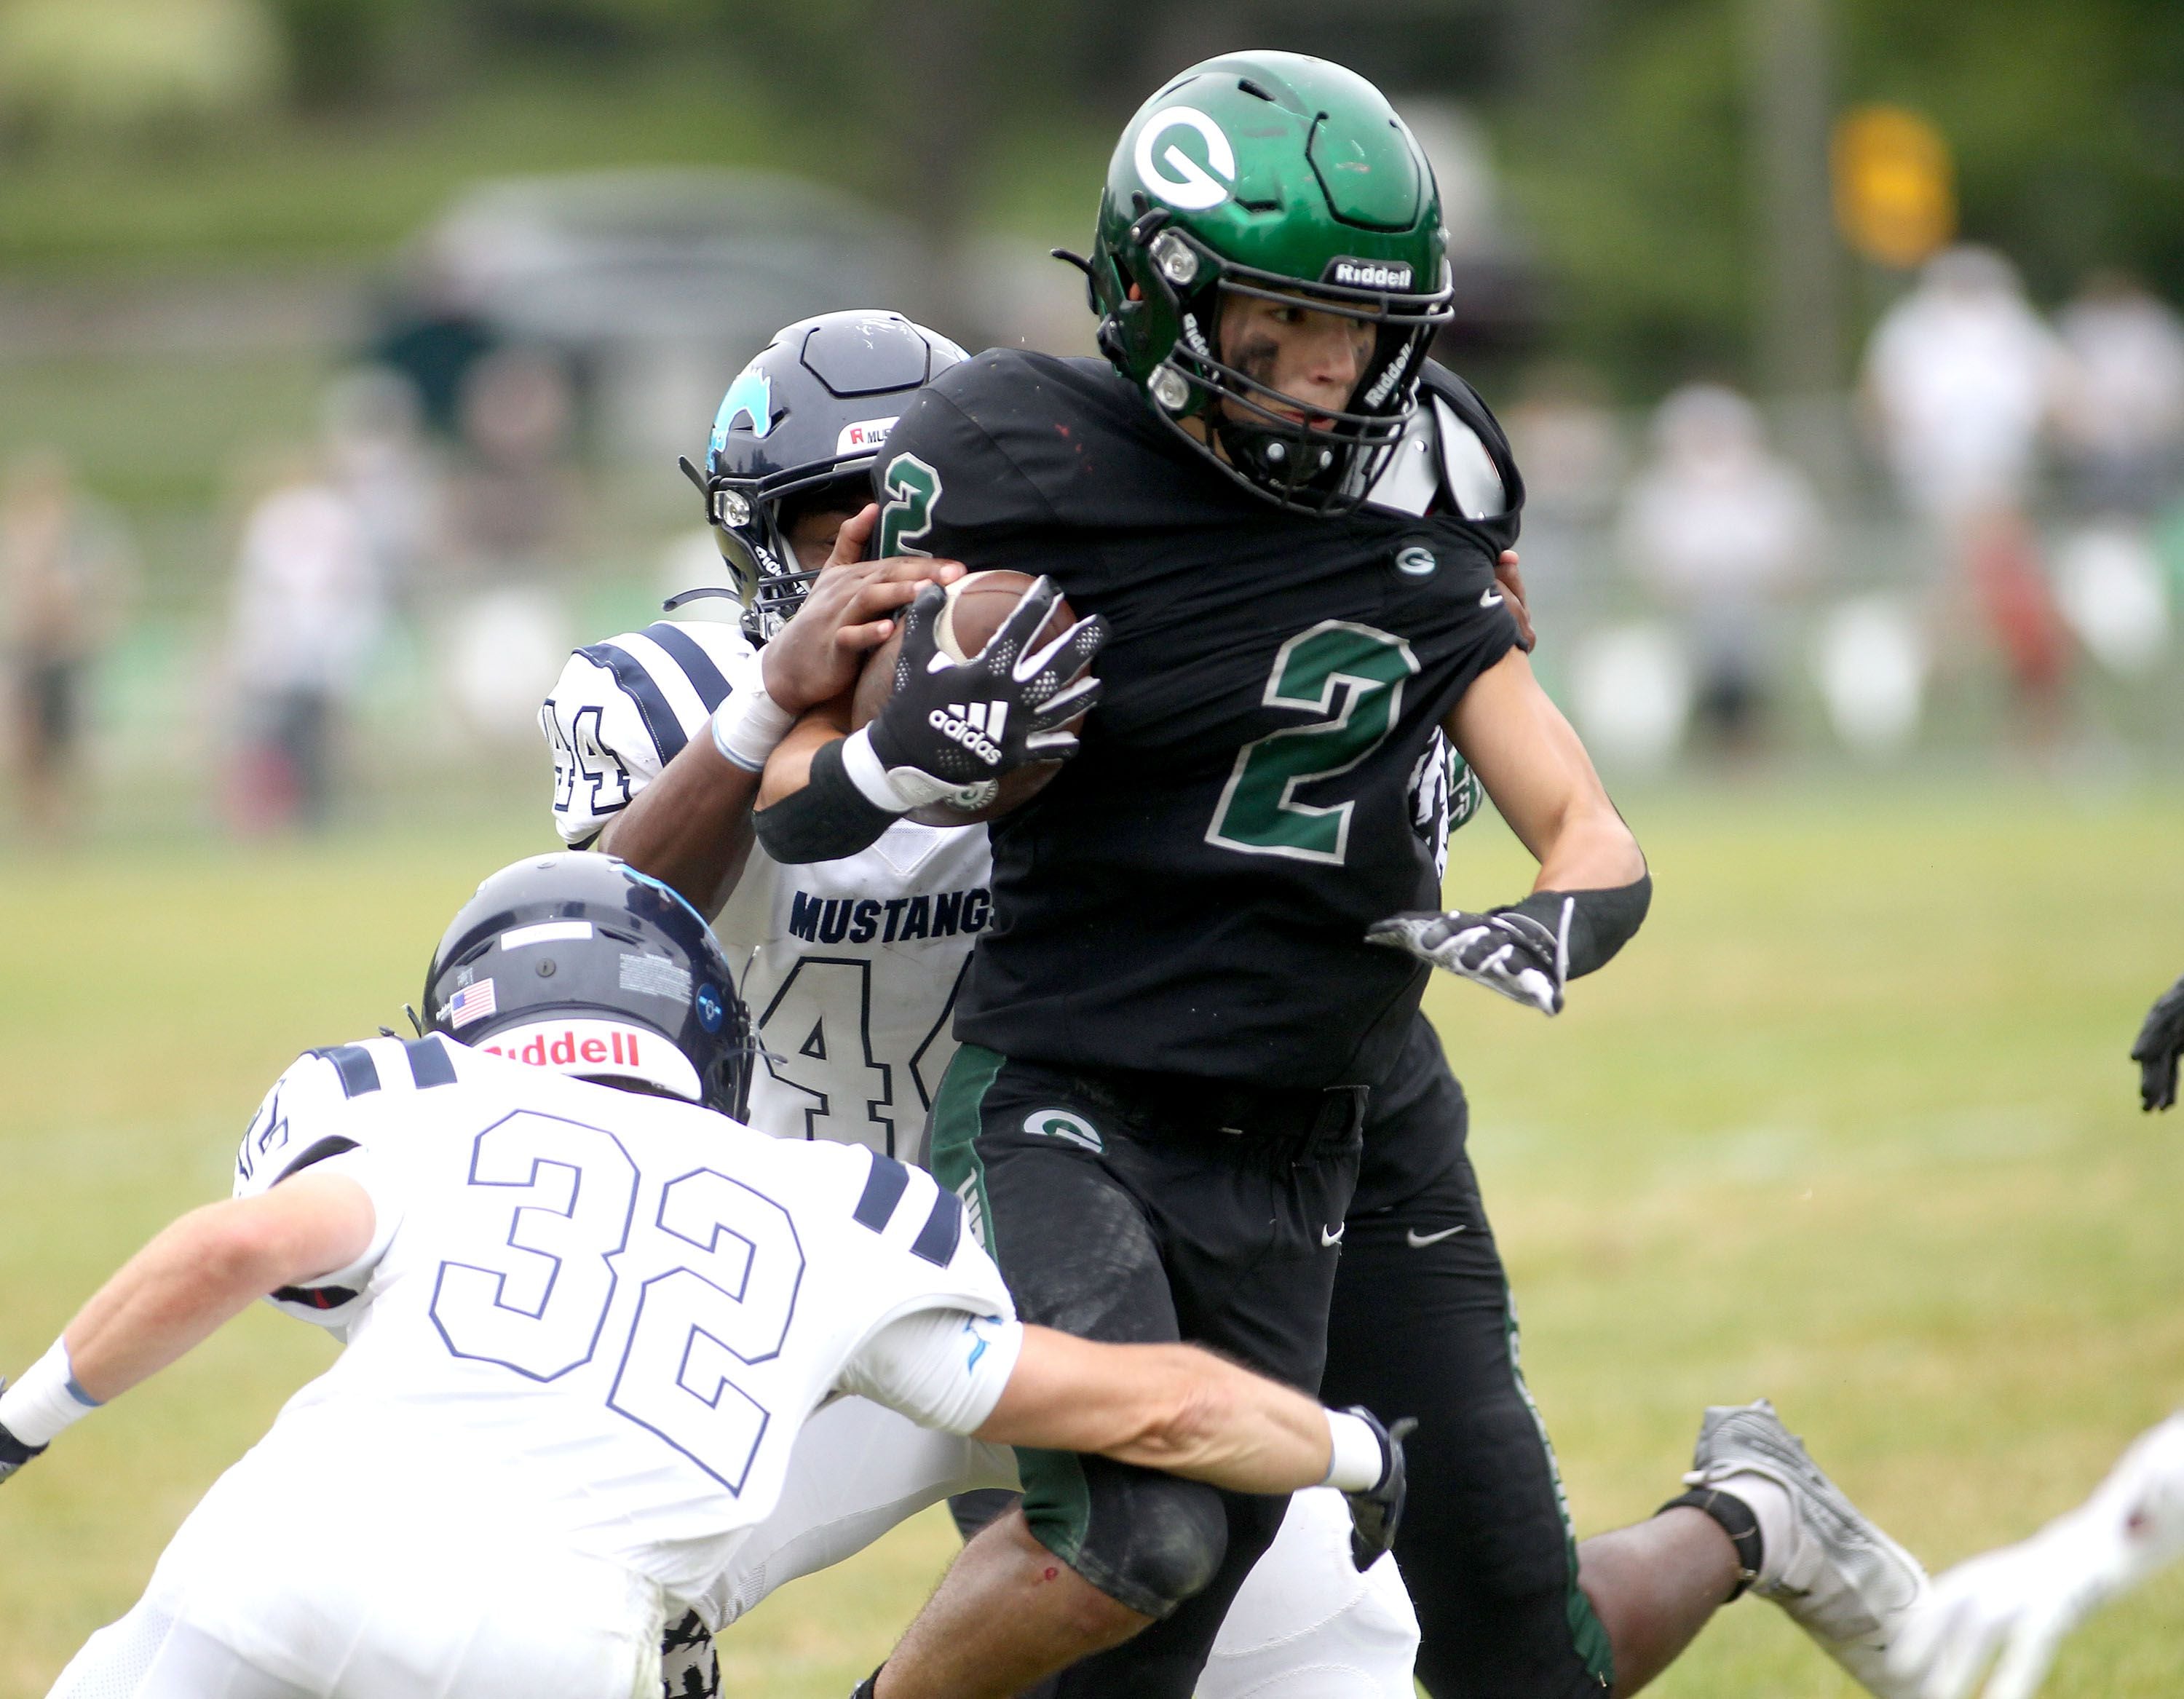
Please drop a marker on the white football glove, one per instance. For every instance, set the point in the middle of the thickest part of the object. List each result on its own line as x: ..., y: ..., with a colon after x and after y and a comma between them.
x: 2021, y: 1600
x: 1506, y: 952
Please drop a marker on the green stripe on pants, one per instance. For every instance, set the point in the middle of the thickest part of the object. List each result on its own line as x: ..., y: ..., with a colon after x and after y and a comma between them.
x: 1057, y: 1502
x: 953, y: 1152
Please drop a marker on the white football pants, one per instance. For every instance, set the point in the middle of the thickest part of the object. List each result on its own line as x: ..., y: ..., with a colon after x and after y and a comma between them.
x: 414, y: 1626
x: 1305, y: 1625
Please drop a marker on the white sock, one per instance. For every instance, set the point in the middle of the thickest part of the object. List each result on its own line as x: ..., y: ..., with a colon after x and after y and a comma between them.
x: 1769, y: 1504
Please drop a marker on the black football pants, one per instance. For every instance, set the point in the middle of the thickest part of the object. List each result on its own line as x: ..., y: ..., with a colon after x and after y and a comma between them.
x: 1117, y: 1209
x: 1422, y: 1325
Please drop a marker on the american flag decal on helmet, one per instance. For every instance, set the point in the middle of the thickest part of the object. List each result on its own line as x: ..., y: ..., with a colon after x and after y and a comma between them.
x: 471, y: 1003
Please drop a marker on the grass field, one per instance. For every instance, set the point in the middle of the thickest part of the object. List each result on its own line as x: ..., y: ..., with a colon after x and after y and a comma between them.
x: 1850, y: 1125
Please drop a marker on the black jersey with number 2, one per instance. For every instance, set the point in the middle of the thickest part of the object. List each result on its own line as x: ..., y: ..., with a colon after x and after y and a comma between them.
x: 1191, y: 895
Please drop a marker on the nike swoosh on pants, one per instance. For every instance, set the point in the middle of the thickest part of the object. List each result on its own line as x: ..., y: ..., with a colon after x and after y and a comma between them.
x: 1419, y: 1241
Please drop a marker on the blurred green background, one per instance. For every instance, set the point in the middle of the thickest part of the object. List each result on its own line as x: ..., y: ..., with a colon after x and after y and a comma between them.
x: 1851, y: 1124
x: 215, y: 213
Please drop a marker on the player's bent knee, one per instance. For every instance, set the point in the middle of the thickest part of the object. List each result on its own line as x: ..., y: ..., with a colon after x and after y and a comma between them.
x: 1180, y: 1543
x: 1148, y: 1541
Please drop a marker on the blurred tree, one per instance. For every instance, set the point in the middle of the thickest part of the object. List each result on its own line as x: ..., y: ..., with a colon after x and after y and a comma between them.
x: 1626, y: 144
x: 107, y: 68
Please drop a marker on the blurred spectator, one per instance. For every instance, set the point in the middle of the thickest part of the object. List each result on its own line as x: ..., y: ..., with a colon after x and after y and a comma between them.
x: 378, y: 458
x: 307, y: 605
x: 1721, y: 529
x: 2123, y: 417
x: 65, y: 567
x: 1569, y: 443
x: 432, y: 333
x: 512, y: 500
x: 1961, y: 375
x: 1565, y: 438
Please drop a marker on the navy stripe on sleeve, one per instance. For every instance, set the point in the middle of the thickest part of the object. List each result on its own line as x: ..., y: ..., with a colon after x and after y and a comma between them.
x: 638, y: 685
x: 353, y: 1063
x: 430, y: 1064
x: 937, y: 1239
x: 697, y: 665
x: 884, y: 1190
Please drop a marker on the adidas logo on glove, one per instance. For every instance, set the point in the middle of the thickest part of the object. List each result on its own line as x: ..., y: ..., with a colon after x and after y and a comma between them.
x: 977, y: 729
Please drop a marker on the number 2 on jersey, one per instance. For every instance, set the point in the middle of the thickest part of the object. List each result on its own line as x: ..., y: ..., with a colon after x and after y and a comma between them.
x: 911, y: 487
x: 1353, y: 676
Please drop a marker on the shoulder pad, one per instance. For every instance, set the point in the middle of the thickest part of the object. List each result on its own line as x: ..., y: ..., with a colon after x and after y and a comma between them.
x: 1453, y: 456
x: 1478, y: 470
x: 305, y: 1117
x: 624, y: 708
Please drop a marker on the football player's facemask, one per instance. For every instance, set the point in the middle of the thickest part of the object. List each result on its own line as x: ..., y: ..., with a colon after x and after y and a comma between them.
x: 1292, y: 180
x: 603, y: 973
x: 797, y: 432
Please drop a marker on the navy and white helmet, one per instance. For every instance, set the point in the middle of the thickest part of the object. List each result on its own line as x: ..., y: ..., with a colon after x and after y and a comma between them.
x: 798, y: 429
x: 577, y: 961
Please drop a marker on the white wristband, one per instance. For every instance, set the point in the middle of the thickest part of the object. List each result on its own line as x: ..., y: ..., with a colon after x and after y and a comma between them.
x: 45, y: 1400
x: 749, y: 725
x: 1359, y: 1460
x: 898, y: 789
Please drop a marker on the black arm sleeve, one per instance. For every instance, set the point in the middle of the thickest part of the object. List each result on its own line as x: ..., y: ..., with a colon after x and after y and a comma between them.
x: 826, y: 819
x: 1601, y: 922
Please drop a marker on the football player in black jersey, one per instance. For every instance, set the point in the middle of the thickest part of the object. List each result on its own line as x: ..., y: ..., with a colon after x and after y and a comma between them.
x: 1288, y: 521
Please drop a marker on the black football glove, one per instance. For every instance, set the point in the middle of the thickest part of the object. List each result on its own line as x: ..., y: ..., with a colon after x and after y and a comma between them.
x: 1504, y: 951
x: 961, y: 723
x: 1376, y: 1512
x: 13, y: 1453
x: 2156, y: 1048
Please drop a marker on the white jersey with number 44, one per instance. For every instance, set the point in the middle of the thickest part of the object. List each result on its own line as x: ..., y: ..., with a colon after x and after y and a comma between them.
x: 853, y: 965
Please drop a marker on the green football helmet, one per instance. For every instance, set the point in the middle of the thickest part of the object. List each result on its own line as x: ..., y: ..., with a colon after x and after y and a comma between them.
x: 1291, y: 179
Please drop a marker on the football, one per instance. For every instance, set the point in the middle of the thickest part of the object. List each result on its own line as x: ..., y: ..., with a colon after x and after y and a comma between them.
x: 978, y: 602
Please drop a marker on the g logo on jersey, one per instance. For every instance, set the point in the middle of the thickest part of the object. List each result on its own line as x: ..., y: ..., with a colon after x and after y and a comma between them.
x: 1416, y: 561
x: 1193, y: 188
x: 1060, y: 1124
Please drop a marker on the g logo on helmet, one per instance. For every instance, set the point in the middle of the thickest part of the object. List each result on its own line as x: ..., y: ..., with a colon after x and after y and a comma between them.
x: 1192, y: 187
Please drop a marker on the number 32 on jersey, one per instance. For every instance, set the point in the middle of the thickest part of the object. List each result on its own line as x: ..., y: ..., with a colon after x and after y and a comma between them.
x: 1352, y: 675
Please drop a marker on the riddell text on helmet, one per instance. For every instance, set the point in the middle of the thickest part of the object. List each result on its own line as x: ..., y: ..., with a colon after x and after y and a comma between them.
x: 568, y: 1050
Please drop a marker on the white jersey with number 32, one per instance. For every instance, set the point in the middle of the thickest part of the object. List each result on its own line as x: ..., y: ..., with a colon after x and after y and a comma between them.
x: 590, y: 1319
x: 853, y: 965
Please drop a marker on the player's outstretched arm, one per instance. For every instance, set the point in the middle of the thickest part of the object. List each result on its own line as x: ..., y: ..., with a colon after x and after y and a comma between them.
x: 1593, y: 889
x: 1189, y: 1412
x: 2161, y: 1038
x: 1172, y: 1407
x: 202, y: 1270
x: 2013, y: 1606
x: 1162, y: 1406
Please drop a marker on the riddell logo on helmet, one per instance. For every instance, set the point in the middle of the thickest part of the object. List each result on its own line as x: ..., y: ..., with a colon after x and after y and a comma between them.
x: 1370, y: 273
x: 979, y: 725
x: 617, y: 1049
x: 866, y: 437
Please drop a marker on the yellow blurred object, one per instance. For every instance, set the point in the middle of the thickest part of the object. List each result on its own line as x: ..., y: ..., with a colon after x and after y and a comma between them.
x: 1894, y: 184
x: 117, y: 65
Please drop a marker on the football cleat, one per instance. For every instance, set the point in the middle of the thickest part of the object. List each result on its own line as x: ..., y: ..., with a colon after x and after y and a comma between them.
x: 1841, y: 1579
